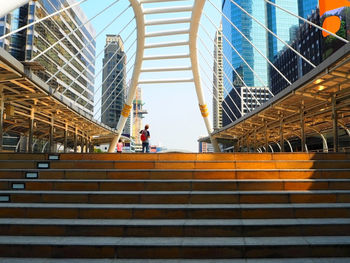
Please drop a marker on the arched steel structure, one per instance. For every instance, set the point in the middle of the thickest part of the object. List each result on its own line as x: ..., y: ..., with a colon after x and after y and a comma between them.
x: 140, y: 26
x: 140, y: 12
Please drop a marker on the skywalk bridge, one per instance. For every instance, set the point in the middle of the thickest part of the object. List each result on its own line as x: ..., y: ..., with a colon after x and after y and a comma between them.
x: 31, y: 108
x: 316, y: 104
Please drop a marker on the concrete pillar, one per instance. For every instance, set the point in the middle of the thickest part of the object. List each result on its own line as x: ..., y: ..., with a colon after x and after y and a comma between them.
x: 302, y: 130
x: 282, y: 135
x: 31, y: 131
x: 335, y: 125
x: 86, y: 144
x: 255, y: 141
x: 76, y: 140
x: 65, y: 142
x: 2, y: 108
x: 91, y: 147
x: 82, y: 144
x: 266, y: 139
x: 51, y: 135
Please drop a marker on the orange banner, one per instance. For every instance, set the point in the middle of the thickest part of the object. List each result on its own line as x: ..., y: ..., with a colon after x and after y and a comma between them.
x: 331, y: 23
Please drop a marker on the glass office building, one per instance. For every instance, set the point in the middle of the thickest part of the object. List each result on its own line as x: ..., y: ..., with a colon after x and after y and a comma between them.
x: 114, y: 83
x: 281, y: 24
x: 69, y: 65
x: 278, y: 21
x: 306, y: 7
x: 245, y: 53
x: 253, y: 32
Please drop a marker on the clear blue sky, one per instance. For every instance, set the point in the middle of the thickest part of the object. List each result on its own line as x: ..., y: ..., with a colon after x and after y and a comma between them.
x: 173, y: 113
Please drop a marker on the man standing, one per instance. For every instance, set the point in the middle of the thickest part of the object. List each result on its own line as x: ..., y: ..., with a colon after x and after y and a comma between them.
x: 145, y: 135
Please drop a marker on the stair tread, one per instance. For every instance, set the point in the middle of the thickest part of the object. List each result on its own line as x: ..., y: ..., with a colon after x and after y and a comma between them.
x: 172, y: 180
x: 176, y: 241
x: 174, y: 206
x: 262, y: 260
x: 258, y: 192
x: 176, y: 222
x: 171, y: 170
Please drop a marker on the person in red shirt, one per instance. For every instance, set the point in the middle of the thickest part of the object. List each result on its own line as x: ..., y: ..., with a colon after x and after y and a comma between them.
x: 120, y: 146
x: 145, y: 135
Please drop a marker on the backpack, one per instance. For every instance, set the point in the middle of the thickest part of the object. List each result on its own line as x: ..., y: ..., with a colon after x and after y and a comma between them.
x: 144, y: 135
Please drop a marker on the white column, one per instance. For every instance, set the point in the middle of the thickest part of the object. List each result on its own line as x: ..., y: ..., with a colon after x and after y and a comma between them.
x: 140, y: 25
x: 6, y: 6
x: 196, y: 16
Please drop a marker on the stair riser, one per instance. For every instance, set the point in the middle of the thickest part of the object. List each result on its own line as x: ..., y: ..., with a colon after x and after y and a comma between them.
x: 182, y: 157
x: 178, y: 165
x: 176, y: 186
x: 180, y: 175
x: 178, y: 198
x: 174, y: 231
x: 185, y: 213
x: 167, y: 252
x: 208, y: 156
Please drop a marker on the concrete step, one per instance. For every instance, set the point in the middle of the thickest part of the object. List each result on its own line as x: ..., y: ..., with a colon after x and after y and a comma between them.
x: 208, y: 156
x: 174, y: 247
x: 176, y: 197
x: 172, y: 211
x: 177, y: 164
x: 174, y: 185
x: 264, y: 260
x: 175, y: 227
x: 179, y: 156
x: 190, y: 174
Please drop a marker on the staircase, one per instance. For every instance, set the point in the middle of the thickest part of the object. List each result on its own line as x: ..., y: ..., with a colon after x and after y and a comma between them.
x: 175, y: 207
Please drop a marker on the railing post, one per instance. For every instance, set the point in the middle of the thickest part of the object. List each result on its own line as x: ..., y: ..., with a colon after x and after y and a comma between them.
x: 266, y: 139
x: 302, y: 129
x: 31, y: 130
x: 2, y: 107
x: 65, y: 143
x: 255, y: 141
x: 335, y: 124
x: 76, y: 140
x: 82, y: 143
x: 51, y: 143
x: 282, y: 135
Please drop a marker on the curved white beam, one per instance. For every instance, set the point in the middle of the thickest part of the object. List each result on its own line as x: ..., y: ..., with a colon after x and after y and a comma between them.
x: 8, y: 6
x: 196, y: 16
x: 140, y: 25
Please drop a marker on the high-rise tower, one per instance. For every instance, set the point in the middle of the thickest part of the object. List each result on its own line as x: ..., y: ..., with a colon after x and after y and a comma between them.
x: 70, y: 64
x: 218, y: 85
x: 114, y: 80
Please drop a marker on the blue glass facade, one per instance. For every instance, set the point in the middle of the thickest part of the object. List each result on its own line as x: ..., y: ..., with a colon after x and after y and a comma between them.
x: 256, y: 36
x: 246, y: 53
x: 280, y: 23
x: 28, y: 44
x: 306, y: 7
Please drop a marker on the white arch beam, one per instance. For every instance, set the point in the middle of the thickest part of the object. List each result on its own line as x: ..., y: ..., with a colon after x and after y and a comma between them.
x: 8, y: 6
x: 140, y: 25
x: 196, y: 15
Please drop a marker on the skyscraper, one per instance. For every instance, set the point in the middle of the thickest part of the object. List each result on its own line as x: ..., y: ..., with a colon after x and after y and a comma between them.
x: 280, y: 23
x: 249, y: 68
x: 218, y: 85
x: 69, y: 65
x: 306, y: 7
x: 256, y: 76
x: 114, y: 80
x: 253, y: 32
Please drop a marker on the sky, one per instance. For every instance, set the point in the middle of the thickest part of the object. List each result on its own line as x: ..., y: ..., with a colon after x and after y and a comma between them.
x: 173, y: 113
